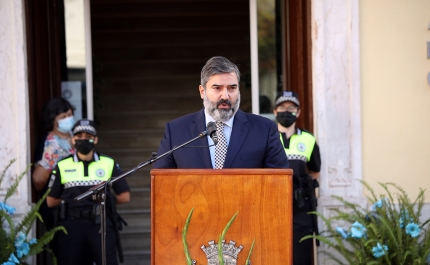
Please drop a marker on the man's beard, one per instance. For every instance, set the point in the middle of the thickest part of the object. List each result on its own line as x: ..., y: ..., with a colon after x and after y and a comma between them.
x: 223, y: 115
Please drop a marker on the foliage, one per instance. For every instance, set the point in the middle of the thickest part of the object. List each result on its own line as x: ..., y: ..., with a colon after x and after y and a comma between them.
x: 14, y: 243
x: 389, y: 233
x: 184, y: 238
x: 221, y: 238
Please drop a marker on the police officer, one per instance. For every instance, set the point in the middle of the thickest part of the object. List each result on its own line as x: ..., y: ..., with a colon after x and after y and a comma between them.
x: 304, y: 158
x: 73, y: 176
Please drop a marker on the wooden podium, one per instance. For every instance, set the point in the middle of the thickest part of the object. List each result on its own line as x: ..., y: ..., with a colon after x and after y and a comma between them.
x: 263, y: 198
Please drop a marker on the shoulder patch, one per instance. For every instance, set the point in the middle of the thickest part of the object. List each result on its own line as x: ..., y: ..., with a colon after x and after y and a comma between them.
x: 51, y: 181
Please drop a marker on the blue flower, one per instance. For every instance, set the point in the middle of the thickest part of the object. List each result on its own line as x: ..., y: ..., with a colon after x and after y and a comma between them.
x: 358, y: 230
x: 33, y: 241
x: 342, y: 232
x: 22, y: 250
x: 12, y: 258
x: 9, y: 209
x: 20, y: 239
x: 379, y: 250
x: 413, y: 229
x: 378, y: 204
x: 404, y: 217
x: 11, y: 261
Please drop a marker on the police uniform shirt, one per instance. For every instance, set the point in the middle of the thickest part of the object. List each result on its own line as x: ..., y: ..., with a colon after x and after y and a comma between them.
x: 58, y: 190
x: 300, y: 167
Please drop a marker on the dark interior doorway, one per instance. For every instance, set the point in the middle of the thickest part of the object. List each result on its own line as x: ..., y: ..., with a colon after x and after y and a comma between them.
x: 147, y: 58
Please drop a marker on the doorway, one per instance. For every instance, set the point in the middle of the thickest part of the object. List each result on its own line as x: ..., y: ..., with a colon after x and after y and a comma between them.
x: 147, y: 58
x: 146, y: 61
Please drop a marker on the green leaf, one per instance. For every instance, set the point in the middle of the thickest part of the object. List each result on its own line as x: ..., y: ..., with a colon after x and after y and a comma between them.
x: 184, y: 238
x: 249, y: 254
x: 12, y: 189
x: 44, y: 240
x: 3, y: 173
x: 221, y: 238
x: 27, y: 222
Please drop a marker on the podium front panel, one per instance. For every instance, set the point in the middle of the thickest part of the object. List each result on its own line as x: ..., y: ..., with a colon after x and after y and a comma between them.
x: 263, y: 198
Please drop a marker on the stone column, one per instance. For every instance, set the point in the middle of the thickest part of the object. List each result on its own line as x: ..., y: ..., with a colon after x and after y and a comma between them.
x: 336, y: 93
x: 14, y: 118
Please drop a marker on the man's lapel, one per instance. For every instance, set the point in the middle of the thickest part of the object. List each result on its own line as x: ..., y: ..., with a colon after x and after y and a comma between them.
x: 198, y: 126
x: 238, y: 135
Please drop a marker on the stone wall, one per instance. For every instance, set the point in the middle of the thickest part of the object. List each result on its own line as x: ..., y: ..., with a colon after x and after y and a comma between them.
x: 14, y: 118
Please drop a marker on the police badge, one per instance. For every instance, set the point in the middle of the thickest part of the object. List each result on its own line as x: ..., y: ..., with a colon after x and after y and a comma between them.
x: 100, y: 172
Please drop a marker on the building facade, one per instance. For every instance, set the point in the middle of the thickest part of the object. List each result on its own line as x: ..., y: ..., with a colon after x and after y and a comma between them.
x: 367, y: 95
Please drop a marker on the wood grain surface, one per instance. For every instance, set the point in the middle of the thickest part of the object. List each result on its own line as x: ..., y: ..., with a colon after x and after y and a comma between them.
x: 263, y: 198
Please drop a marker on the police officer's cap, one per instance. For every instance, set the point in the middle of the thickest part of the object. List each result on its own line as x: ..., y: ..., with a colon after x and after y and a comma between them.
x: 84, y: 125
x: 287, y: 96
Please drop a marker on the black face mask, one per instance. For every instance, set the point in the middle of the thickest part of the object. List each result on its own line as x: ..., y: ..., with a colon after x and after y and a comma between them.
x: 84, y: 146
x: 286, y: 118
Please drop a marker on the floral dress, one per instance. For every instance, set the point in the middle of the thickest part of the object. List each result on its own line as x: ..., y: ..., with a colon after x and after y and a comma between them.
x: 56, y: 148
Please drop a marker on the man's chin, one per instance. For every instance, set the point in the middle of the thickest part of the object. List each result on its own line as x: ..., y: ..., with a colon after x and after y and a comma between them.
x: 224, y: 109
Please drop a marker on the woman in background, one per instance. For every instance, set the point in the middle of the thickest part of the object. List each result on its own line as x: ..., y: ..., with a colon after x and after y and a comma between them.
x: 57, y: 120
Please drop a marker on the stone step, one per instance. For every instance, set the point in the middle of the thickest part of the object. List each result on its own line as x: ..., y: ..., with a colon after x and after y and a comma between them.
x: 130, y: 163
x: 146, y: 103
x: 128, y: 139
x: 140, y: 199
x: 139, y: 179
x: 141, y: 221
x: 144, y: 88
x: 135, y: 122
x: 137, y: 257
x: 136, y: 239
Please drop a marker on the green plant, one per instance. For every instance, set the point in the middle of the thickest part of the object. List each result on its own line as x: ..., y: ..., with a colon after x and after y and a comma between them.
x: 389, y: 233
x: 14, y: 243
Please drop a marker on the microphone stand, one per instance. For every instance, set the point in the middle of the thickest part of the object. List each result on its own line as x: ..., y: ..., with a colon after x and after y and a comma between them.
x: 99, y: 196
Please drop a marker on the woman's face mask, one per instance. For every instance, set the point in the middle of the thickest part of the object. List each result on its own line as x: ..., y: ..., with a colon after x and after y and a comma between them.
x: 66, y: 124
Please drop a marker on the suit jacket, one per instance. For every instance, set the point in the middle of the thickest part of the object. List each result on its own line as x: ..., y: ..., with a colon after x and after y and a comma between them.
x: 254, y: 143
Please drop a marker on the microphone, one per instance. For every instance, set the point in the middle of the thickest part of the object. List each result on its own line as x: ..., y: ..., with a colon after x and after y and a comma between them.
x: 212, y: 132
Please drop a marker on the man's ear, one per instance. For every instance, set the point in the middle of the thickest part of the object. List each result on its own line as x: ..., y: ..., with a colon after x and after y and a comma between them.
x: 202, y: 91
x: 73, y: 141
x: 96, y: 140
x: 298, y: 113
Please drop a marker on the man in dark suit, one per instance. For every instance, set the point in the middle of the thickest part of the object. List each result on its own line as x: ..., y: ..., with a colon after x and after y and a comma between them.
x: 245, y: 140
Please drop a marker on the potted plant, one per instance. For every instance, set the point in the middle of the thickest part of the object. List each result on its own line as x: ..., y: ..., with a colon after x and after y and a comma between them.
x: 389, y: 233
x: 15, y: 244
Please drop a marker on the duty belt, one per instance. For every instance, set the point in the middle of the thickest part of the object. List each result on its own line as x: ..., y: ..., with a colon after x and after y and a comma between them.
x: 86, y: 214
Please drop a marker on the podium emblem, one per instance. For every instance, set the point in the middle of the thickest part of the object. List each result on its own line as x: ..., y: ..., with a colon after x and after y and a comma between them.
x: 229, y: 251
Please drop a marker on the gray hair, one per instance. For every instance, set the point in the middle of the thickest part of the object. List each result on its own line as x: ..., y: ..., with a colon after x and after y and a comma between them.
x: 217, y: 65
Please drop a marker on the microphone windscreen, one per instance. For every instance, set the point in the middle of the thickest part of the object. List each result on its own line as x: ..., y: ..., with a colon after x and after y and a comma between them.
x: 212, y: 132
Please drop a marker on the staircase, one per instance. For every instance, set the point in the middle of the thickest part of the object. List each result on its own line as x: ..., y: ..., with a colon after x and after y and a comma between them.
x: 147, y: 58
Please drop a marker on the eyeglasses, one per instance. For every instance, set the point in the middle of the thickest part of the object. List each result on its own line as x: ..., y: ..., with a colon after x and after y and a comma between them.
x: 289, y: 109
